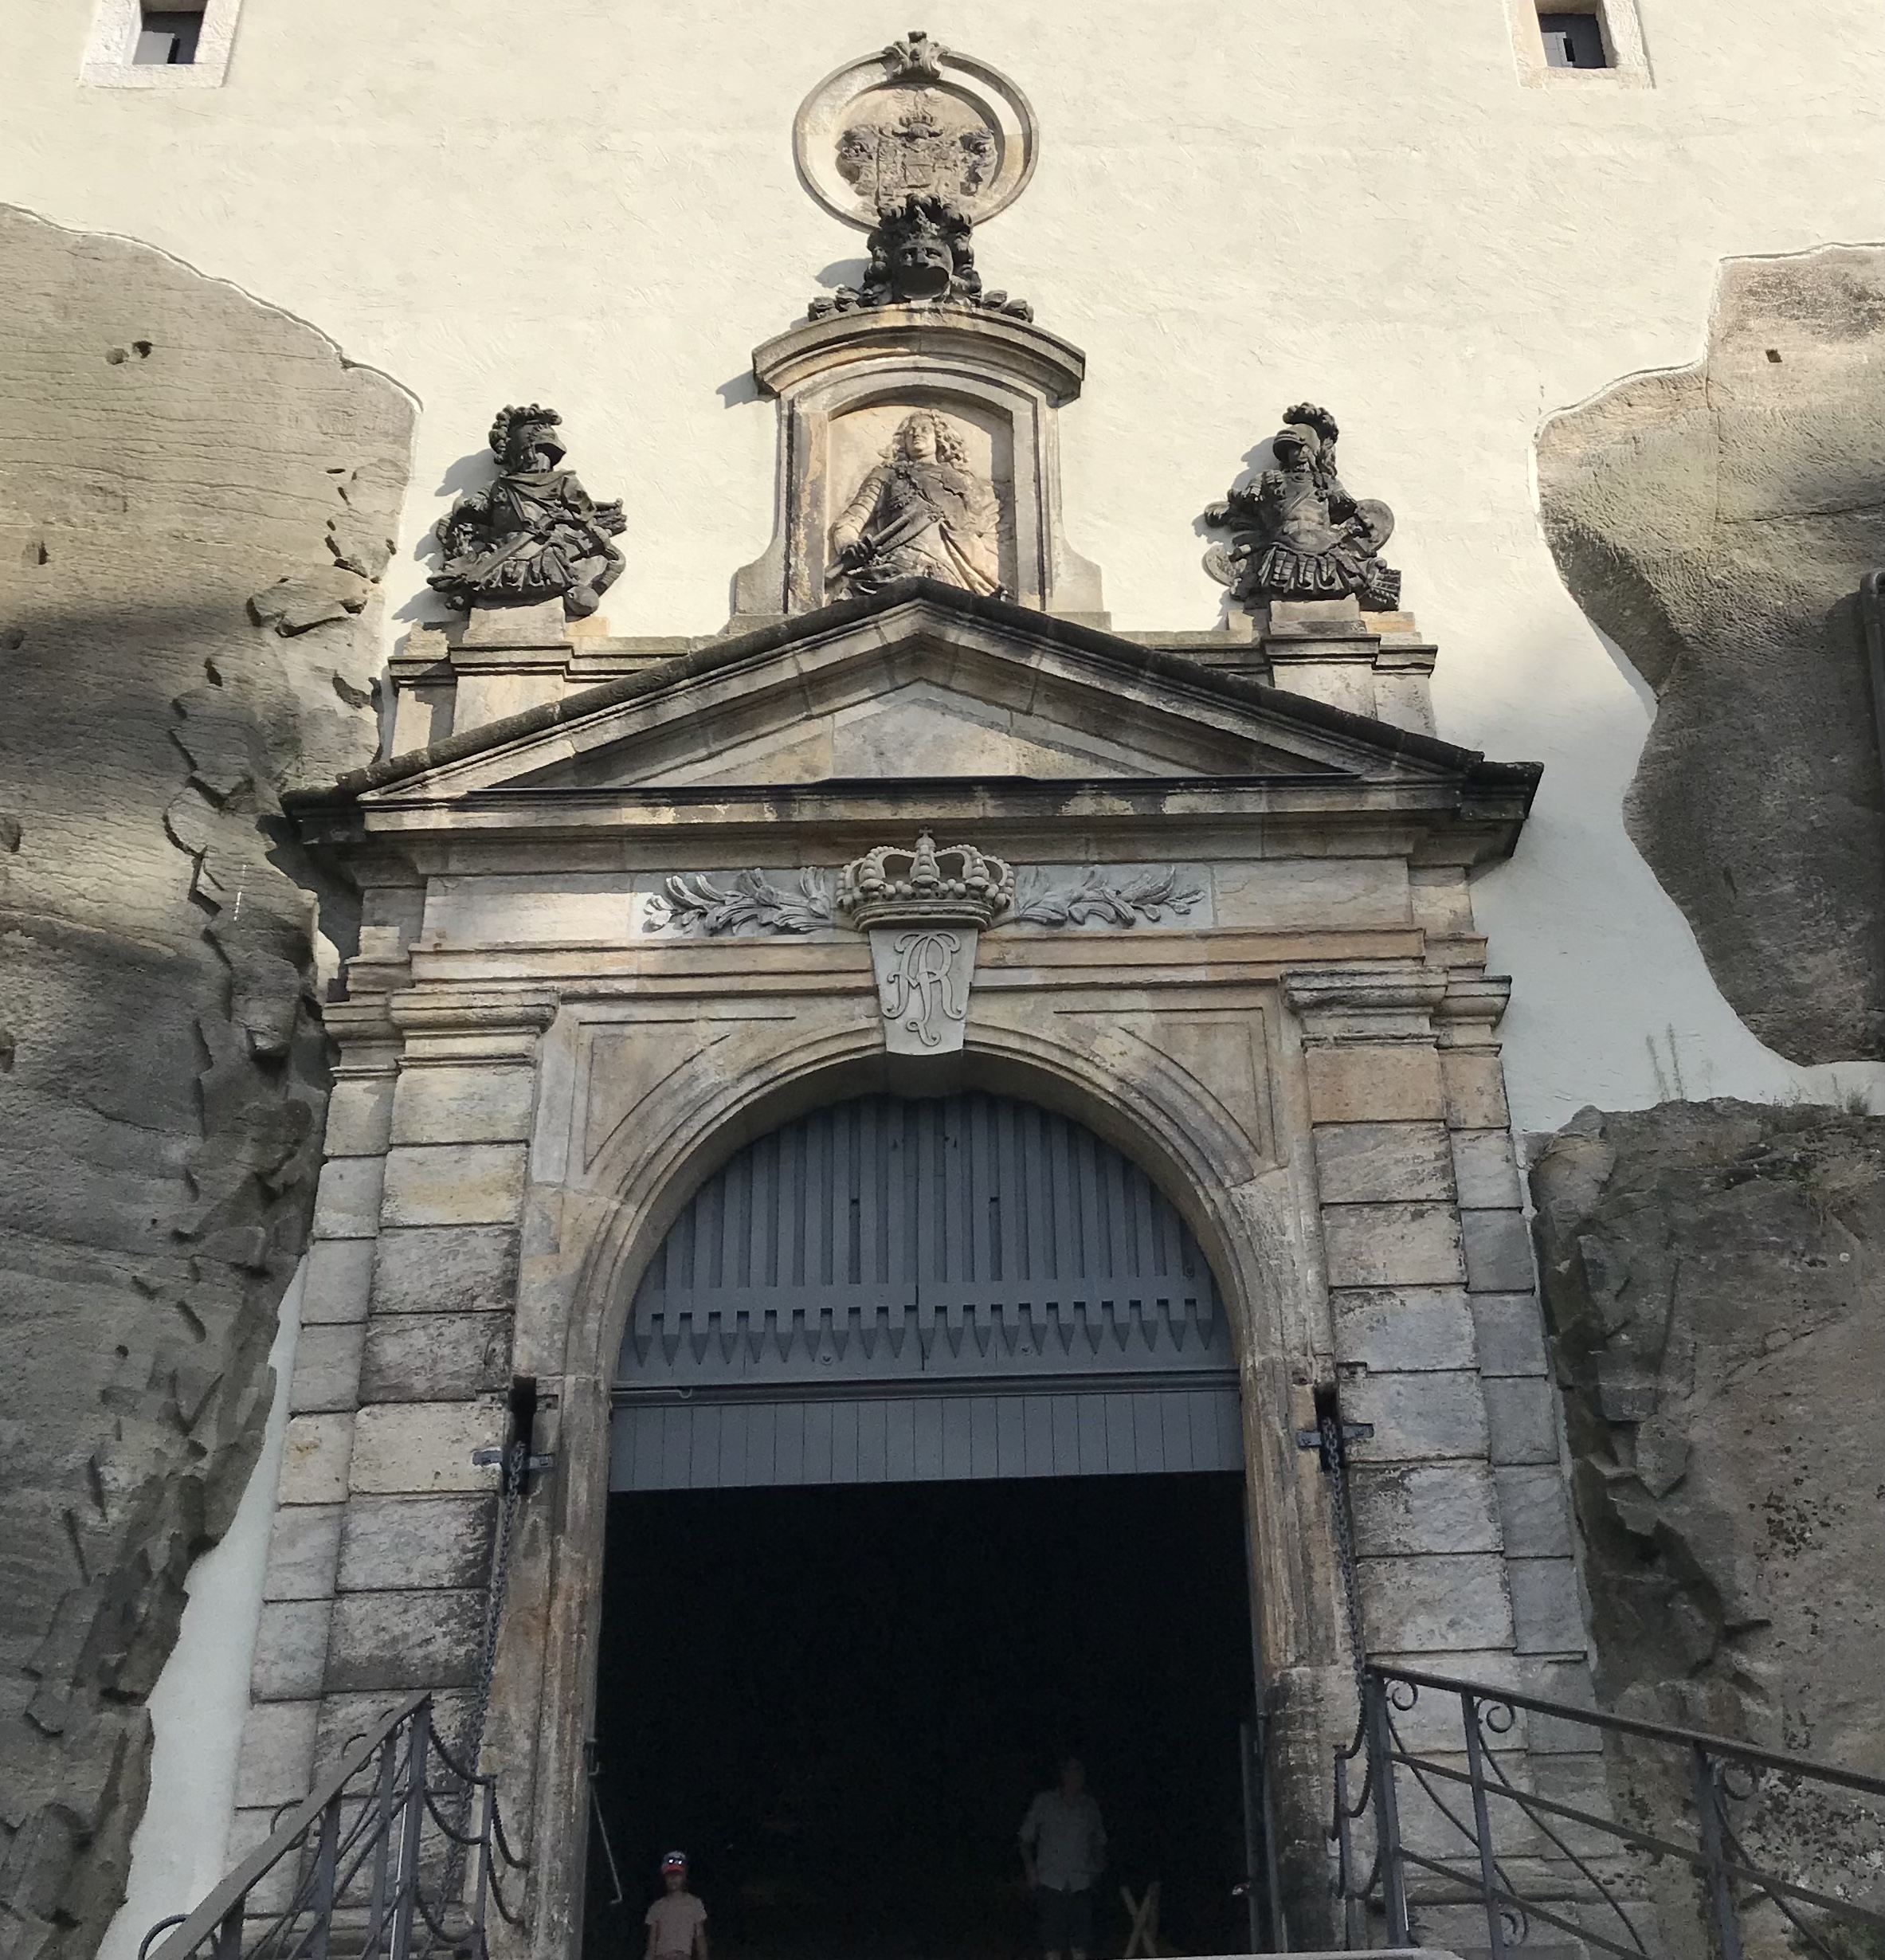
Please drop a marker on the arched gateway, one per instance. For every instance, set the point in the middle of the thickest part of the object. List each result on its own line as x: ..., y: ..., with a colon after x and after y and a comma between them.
x: 857, y: 1178
x: 910, y: 1109
x: 894, y: 1290
x: 928, y: 1456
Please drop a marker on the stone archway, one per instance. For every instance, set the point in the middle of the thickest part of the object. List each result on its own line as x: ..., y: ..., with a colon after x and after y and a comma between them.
x: 625, y: 1134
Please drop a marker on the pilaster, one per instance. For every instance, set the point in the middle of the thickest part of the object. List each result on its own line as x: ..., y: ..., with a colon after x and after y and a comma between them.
x: 1425, y: 1511
x: 417, y: 1529
x: 280, y: 1740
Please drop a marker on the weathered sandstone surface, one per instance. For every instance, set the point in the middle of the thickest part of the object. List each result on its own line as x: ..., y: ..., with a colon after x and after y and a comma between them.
x: 1714, y: 1276
x: 169, y: 449
x: 1715, y: 521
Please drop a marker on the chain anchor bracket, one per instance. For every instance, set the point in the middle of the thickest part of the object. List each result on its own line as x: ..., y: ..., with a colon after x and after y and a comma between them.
x: 492, y: 1458
x: 1350, y: 1432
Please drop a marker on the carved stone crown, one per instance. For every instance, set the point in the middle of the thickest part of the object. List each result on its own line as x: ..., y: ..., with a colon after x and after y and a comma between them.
x: 955, y: 885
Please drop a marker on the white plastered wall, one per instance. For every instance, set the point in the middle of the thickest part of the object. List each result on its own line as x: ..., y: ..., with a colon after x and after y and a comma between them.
x: 202, y: 1697
x: 593, y: 204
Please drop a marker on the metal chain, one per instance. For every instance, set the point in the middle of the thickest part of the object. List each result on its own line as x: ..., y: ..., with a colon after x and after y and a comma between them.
x: 1334, y: 1459
x: 515, y: 1468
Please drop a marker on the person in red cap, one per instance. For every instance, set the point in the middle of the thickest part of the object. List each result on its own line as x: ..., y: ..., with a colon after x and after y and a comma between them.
x: 677, y: 1920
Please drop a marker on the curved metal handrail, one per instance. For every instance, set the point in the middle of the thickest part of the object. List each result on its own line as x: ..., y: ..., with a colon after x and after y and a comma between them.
x: 1721, y: 1770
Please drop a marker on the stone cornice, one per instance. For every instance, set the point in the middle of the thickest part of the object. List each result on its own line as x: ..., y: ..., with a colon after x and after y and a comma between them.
x: 1366, y: 1004
x: 917, y: 601
x: 365, y: 1033
x: 1472, y: 1008
x: 452, y: 1024
x: 940, y: 335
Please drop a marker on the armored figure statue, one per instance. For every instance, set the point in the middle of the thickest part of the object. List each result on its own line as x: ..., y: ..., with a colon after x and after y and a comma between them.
x: 1297, y: 533
x: 920, y: 256
x: 536, y: 533
x: 921, y: 513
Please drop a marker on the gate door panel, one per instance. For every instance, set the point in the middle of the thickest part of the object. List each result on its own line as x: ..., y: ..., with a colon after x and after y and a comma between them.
x: 892, y: 1290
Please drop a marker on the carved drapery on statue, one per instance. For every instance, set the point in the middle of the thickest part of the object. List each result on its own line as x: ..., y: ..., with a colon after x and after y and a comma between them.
x: 536, y: 533
x: 922, y: 513
x: 1297, y: 532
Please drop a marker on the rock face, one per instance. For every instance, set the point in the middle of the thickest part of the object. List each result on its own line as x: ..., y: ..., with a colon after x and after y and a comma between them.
x: 169, y: 450
x: 1715, y: 521
x: 1714, y: 1276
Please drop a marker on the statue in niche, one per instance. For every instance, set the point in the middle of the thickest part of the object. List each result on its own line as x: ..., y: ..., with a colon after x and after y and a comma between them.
x: 920, y: 256
x: 921, y: 513
x: 1298, y: 533
x: 536, y: 533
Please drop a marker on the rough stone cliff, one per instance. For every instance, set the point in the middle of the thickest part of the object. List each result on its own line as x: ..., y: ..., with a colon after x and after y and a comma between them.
x: 1714, y: 1278
x: 196, y: 494
x: 1716, y: 521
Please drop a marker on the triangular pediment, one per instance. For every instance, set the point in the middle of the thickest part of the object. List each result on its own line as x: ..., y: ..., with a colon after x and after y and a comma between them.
x: 923, y: 682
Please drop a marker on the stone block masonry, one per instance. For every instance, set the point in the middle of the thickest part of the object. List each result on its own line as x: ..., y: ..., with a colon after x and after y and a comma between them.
x: 1461, y: 1536
x: 416, y: 1350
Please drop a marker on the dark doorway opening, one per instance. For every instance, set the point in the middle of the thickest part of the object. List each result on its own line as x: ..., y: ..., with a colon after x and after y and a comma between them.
x: 839, y: 1702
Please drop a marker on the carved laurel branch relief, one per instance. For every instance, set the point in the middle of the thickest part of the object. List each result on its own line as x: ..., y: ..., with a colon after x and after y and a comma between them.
x: 1121, y: 898
x: 691, y: 903
x: 695, y: 904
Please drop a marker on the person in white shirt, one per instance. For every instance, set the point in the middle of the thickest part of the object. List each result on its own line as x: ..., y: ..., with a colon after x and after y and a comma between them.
x: 1063, y: 1851
x: 677, y: 1920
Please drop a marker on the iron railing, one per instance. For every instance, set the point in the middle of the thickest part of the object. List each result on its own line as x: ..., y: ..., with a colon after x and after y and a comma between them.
x: 1490, y: 1843
x: 398, y: 1853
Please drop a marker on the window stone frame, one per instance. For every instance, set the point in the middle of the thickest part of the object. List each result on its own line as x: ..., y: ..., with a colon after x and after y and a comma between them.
x: 109, y: 45
x: 1622, y: 28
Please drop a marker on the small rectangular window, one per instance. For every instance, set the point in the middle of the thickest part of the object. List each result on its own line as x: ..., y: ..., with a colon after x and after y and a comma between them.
x: 1572, y: 41
x: 167, y: 37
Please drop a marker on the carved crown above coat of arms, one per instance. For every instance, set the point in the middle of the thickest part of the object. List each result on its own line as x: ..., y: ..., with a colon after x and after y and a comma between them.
x: 954, y: 885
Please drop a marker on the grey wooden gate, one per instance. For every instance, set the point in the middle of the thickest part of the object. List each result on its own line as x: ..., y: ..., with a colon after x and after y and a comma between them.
x: 890, y: 1290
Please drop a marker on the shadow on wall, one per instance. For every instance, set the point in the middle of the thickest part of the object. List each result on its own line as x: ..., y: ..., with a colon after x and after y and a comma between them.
x: 1715, y: 521
x: 161, y: 1069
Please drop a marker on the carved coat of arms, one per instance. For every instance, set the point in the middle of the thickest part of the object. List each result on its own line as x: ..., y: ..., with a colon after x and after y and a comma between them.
x: 912, y: 147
